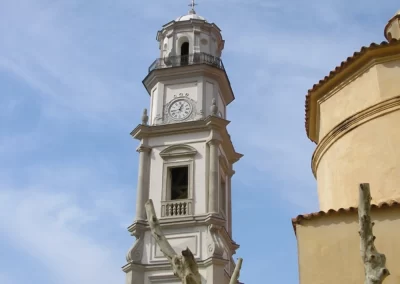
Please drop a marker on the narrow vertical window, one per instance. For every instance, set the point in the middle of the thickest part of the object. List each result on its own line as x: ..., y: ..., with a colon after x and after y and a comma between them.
x: 179, y: 183
x: 222, y: 195
x: 185, y: 53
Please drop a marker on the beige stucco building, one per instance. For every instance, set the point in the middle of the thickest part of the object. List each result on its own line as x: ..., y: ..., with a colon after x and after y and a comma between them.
x: 353, y: 116
x: 186, y: 156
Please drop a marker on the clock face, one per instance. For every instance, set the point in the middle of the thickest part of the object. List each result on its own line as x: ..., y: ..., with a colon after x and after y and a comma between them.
x: 180, y: 109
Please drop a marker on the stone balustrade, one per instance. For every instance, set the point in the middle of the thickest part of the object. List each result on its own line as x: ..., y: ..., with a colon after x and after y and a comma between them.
x: 176, y: 208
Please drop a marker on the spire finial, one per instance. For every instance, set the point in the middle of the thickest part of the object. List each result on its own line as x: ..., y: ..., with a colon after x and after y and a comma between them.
x: 145, y: 117
x: 392, y: 28
x: 192, y: 4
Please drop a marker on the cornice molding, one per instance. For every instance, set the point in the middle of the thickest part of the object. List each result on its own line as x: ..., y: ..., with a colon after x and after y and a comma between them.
x: 207, y: 124
x: 193, y: 23
x: 131, y: 266
x: 214, y: 141
x: 348, y: 71
x: 190, y: 71
x: 167, y: 266
x: 142, y: 131
x: 163, y: 279
x: 349, y: 124
x: 138, y: 227
x: 226, y: 167
x: 356, y: 74
x: 378, y: 207
x: 215, y: 122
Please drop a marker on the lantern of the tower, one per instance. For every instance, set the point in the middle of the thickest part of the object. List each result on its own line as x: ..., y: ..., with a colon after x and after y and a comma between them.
x: 189, y: 41
x: 392, y: 29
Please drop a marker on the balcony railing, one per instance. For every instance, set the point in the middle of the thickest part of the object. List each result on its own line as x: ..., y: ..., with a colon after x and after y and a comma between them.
x: 176, y: 208
x: 184, y: 60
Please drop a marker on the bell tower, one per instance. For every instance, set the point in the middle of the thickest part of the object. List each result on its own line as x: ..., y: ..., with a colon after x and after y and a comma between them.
x: 186, y: 156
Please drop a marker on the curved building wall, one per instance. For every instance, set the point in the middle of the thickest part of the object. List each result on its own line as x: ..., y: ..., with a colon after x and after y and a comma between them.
x: 359, y: 138
x: 369, y: 153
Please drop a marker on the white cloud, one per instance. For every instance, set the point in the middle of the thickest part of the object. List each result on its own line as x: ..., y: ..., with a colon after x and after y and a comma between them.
x: 78, y: 64
x: 53, y: 51
x: 47, y: 226
x: 57, y: 219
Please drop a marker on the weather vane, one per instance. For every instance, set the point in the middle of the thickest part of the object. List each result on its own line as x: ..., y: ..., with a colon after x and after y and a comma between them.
x: 192, y: 5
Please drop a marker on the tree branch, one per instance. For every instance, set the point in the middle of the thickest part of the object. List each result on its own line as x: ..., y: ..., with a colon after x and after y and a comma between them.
x: 236, y: 272
x: 374, y: 262
x: 184, y: 266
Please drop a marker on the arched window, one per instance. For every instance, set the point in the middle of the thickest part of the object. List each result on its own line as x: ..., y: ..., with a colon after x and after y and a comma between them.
x: 185, y: 53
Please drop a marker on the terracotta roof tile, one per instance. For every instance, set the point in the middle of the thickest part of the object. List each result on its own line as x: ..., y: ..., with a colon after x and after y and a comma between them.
x: 299, y: 218
x: 339, y: 69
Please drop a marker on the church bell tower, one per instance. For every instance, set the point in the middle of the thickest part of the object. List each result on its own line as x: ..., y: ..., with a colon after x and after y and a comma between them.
x: 186, y: 156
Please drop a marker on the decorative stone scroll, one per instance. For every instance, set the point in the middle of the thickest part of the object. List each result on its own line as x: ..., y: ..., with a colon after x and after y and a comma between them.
x: 145, y: 117
x: 214, y: 107
x: 214, y: 243
x: 135, y: 253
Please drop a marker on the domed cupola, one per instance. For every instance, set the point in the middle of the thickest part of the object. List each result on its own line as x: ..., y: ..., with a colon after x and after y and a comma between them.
x: 187, y: 38
x: 392, y: 29
x: 191, y: 15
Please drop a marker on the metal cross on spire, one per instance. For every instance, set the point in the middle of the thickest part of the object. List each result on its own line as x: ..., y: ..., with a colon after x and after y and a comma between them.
x: 192, y: 5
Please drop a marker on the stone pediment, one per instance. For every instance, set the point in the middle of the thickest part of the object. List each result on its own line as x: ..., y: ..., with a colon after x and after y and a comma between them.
x: 178, y: 151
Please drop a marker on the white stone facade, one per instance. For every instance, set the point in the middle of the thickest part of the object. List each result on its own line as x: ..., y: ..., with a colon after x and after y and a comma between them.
x: 186, y: 143
x: 199, y: 90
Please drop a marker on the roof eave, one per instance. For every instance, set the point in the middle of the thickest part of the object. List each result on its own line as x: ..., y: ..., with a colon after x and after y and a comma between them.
x: 211, y: 122
x: 220, y: 75
x: 311, y: 216
x: 340, y: 73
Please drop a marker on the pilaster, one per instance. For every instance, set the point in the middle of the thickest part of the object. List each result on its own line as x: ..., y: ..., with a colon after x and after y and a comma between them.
x: 134, y: 269
x: 213, y: 176
x: 216, y: 271
x: 142, y: 190
x: 134, y: 273
x: 229, y: 197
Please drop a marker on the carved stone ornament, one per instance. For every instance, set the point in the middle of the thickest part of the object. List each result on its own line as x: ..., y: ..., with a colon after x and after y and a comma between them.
x: 145, y: 117
x: 181, y: 96
x: 199, y: 115
x: 158, y: 120
x: 135, y: 253
x: 204, y: 41
x: 213, y: 107
x: 215, y: 245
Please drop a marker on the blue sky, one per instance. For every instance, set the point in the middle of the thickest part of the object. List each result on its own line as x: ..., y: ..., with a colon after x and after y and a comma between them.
x: 71, y: 91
